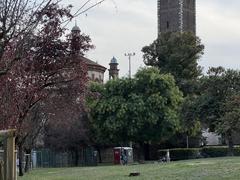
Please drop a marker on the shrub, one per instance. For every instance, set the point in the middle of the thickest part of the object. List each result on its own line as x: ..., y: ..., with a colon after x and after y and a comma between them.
x: 236, y: 151
x: 214, y: 151
x: 219, y: 151
x: 193, y: 153
x: 182, y: 153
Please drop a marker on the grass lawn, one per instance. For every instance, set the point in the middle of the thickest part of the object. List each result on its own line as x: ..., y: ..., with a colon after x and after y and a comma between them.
x: 201, y: 169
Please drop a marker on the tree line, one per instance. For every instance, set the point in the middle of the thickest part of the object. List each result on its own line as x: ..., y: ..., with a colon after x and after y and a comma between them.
x: 169, y: 100
x: 45, y: 93
x: 40, y: 77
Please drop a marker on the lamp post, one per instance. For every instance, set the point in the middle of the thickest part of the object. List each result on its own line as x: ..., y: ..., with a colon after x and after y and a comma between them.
x: 129, y: 58
x: 130, y: 55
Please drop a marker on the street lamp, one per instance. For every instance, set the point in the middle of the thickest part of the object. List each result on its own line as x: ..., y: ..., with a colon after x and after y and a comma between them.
x: 129, y: 58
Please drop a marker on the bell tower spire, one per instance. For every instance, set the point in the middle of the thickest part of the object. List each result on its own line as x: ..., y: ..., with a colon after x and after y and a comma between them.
x: 113, y: 71
x: 75, y: 39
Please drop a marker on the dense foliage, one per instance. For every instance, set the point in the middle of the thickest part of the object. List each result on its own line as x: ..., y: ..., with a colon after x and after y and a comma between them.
x: 177, y: 54
x: 141, y: 109
x: 218, y: 105
x: 37, y: 65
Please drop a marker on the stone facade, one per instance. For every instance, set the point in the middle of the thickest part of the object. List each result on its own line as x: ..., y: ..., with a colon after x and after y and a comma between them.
x: 95, y: 70
x: 176, y: 16
x: 113, y: 71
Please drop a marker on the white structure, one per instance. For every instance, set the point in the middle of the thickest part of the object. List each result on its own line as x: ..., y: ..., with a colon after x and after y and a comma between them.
x: 211, y: 138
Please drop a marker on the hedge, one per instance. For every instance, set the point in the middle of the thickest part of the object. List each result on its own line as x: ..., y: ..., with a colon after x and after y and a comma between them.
x: 182, y: 153
x: 193, y: 153
x: 219, y: 151
x: 214, y: 151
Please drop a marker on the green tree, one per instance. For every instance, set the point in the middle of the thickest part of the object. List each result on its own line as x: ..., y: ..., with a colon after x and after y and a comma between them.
x: 229, y: 123
x: 218, y: 105
x: 190, y: 123
x: 178, y: 54
x: 142, y: 109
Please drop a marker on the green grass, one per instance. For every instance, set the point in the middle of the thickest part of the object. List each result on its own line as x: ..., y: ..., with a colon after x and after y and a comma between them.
x: 202, y: 169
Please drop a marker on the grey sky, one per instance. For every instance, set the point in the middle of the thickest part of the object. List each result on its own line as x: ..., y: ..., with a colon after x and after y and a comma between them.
x: 121, y: 26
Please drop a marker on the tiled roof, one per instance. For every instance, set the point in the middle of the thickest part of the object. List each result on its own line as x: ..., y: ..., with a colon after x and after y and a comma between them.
x: 91, y: 63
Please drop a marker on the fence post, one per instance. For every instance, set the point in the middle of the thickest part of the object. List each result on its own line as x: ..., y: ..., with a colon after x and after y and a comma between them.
x: 9, y: 155
x: 1, y: 170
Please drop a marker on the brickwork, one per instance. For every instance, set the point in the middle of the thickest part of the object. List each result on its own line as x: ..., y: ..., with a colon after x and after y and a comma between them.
x: 176, y: 16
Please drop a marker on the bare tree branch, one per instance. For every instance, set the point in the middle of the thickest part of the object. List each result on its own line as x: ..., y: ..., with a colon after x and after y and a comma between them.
x: 81, y: 10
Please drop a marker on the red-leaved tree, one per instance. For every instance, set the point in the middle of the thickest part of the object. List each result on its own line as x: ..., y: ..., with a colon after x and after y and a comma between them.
x: 36, y: 64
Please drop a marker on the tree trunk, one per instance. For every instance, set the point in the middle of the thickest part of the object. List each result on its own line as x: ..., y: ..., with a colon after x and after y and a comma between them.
x: 28, y: 158
x: 20, y: 148
x: 141, y: 151
x: 1, y: 170
x: 146, y: 151
x: 76, y: 157
x: 230, y: 143
x: 99, y: 155
x: 187, y: 141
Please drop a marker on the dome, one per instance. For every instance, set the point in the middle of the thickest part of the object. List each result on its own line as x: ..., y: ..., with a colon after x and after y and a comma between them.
x: 76, y: 28
x: 113, y: 60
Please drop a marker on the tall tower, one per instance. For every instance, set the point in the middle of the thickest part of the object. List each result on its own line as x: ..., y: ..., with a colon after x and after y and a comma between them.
x: 113, y: 71
x: 176, y: 16
x: 75, y: 38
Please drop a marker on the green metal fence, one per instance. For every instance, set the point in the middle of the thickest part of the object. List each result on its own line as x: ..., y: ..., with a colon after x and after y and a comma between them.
x: 49, y: 158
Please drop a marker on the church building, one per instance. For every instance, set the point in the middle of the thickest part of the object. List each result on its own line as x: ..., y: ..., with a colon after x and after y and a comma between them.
x: 95, y: 70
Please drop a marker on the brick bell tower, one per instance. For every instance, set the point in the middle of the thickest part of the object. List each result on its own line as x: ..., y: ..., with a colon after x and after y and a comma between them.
x: 75, y: 38
x: 113, y: 71
x: 176, y: 16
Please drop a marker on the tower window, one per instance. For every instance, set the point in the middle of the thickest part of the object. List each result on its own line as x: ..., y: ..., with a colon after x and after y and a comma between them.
x: 167, y: 24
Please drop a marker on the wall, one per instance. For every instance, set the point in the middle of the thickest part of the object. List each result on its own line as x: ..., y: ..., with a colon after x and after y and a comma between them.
x: 168, y: 15
x: 174, y: 17
x: 96, y: 76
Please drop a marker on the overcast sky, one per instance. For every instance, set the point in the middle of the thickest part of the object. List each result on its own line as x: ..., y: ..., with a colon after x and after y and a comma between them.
x: 121, y: 26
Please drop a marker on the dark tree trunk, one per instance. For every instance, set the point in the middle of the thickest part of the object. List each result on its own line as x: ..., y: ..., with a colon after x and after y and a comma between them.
x: 146, y: 151
x: 230, y: 143
x: 141, y: 151
x: 28, y: 158
x: 76, y: 157
x: 99, y: 155
x: 20, y: 149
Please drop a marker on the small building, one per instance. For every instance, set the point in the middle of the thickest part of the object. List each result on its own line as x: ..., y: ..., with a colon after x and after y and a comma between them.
x: 95, y: 70
x: 119, y: 152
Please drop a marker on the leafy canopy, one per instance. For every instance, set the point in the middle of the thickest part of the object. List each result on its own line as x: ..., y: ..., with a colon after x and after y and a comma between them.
x: 217, y: 88
x: 178, y: 54
x: 218, y: 104
x: 141, y: 109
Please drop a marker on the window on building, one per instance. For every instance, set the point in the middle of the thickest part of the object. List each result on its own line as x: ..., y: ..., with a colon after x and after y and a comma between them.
x: 167, y: 24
